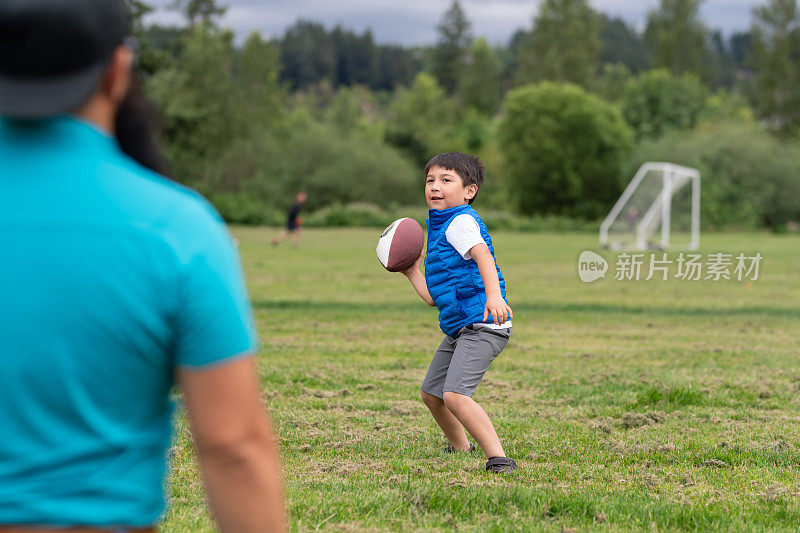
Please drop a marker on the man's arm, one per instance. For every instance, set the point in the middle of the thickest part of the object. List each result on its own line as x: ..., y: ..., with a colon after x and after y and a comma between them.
x: 236, y: 446
x: 496, y: 306
x: 417, y: 280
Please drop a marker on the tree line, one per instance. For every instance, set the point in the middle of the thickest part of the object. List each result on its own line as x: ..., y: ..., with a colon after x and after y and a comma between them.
x: 560, y: 113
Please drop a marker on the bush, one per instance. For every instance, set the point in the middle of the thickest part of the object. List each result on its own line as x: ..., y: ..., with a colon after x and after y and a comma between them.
x: 421, y: 120
x: 749, y: 179
x: 349, y: 215
x: 507, y: 221
x: 370, y: 215
x: 656, y: 101
x: 564, y: 150
x: 265, y: 171
x: 240, y: 208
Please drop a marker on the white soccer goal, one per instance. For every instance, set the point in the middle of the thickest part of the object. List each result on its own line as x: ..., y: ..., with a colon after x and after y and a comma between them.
x: 656, y: 199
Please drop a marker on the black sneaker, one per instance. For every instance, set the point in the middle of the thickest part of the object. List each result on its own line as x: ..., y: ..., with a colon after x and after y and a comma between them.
x: 449, y: 448
x: 501, y: 464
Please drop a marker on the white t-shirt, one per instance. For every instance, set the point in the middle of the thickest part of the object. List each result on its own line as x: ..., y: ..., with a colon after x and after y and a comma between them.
x: 463, y: 233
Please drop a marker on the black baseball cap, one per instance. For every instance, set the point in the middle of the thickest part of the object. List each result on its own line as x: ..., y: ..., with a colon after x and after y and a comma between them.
x: 53, y: 53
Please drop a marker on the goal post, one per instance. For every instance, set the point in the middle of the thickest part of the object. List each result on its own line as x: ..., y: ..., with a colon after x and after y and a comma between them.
x: 659, y: 208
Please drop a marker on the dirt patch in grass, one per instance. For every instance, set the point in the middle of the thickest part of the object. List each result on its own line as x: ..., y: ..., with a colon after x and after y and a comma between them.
x: 319, y: 393
x: 774, y: 493
x: 622, y: 447
x: 406, y: 408
x: 635, y: 420
x: 602, y: 425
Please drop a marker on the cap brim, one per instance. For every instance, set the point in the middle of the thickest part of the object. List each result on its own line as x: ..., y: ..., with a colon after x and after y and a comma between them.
x: 38, y: 98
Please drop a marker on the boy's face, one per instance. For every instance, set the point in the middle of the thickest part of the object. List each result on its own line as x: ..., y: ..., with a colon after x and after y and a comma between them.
x: 444, y: 189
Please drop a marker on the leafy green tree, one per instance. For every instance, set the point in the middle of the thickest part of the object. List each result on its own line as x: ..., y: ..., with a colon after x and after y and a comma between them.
x: 776, y: 59
x: 471, y: 133
x: 194, y: 96
x: 355, y: 111
x: 656, y: 101
x: 481, y: 86
x: 151, y: 55
x: 199, y: 11
x: 256, y: 71
x: 159, y: 47
x: 614, y: 80
x: 137, y: 10
x: 449, y: 55
x: 565, y: 44
x: 677, y: 38
x: 564, y: 150
x: 422, y: 117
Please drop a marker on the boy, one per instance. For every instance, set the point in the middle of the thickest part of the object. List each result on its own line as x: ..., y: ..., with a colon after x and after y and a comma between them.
x: 463, y: 281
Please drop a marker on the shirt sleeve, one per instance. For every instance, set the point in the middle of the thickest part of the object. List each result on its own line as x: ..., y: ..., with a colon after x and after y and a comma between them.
x: 213, y: 318
x: 463, y: 233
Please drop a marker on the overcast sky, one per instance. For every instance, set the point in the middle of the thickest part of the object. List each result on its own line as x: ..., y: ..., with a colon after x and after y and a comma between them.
x: 410, y: 22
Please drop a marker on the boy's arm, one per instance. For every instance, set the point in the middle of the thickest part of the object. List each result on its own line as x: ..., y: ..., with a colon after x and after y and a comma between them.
x: 496, y: 306
x: 417, y: 280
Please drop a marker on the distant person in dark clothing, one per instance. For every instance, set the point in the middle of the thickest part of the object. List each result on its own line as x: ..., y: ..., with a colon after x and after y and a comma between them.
x: 294, y: 224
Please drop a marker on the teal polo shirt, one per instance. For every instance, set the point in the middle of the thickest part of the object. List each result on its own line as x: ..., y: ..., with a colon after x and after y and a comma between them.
x: 111, y: 277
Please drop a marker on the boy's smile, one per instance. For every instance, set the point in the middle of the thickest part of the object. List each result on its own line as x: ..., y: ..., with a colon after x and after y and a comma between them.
x: 445, y: 189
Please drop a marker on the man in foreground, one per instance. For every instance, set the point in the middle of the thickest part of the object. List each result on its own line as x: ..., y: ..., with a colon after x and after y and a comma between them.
x: 116, y: 284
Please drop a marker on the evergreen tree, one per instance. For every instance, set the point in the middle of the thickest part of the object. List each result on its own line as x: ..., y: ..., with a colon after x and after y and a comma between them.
x: 449, y: 55
x: 136, y: 10
x: 677, y: 38
x: 356, y: 58
x: 196, y: 11
x: 480, y: 84
x: 395, y: 66
x: 565, y: 44
x: 776, y: 59
x: 256, y: 69
x: 308, y: 54
x: 622, y: 45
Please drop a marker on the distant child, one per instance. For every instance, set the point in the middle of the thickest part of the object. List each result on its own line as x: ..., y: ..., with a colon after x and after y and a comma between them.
x: 463, y: 281
x: 293, y: 221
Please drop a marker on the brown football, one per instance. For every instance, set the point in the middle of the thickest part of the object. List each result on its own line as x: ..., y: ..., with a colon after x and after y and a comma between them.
x: 400, y: 244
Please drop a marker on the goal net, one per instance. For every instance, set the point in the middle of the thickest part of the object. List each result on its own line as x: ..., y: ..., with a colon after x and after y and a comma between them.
x: 659, y: 210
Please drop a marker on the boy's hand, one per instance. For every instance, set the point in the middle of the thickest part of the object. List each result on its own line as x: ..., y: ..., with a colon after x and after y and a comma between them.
x: 497, y: 308
x: 417, y: 280
x: 415, y: 266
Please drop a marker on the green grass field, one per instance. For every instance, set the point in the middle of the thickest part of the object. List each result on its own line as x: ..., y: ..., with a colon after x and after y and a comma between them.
x: 628, y: 404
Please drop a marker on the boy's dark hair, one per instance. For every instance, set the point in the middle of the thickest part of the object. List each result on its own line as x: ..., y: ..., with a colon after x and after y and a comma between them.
x: 468, y: 167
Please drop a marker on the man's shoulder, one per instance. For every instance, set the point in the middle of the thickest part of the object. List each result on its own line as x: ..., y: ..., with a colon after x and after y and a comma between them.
x: 158, y: 199
x: 151, y: 181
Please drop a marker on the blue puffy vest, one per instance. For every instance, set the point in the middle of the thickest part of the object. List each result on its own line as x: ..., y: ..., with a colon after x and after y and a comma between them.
x: 455, y: 284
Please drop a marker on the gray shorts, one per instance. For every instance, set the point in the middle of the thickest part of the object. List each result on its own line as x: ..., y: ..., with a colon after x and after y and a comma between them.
x: 459, y: 363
